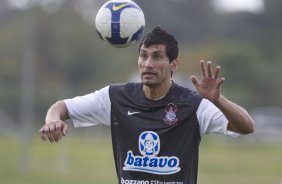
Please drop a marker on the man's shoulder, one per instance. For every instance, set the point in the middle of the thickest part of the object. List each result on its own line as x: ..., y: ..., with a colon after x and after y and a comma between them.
x: 186, y: 94
x: 185, y: 90
x: 124, y: 87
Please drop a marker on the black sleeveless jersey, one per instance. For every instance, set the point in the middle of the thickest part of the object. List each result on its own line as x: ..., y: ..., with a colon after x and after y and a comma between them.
x: 155, y: 142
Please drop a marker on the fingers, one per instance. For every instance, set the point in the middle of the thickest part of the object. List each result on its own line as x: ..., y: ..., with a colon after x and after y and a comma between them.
x: 42, y: 134
x: 202, y: 63
x: 48, y: 130
x: 194, y: 81
x: 216, y: 73
x: 57, y: 132
x: 53, y: 131
x: 209, y: 63
x: 65, y: 129
x: 207, y: 70
x: 220, y: 82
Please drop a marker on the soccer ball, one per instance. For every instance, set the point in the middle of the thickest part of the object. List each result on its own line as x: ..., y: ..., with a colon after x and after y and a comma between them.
x: 120, y: 22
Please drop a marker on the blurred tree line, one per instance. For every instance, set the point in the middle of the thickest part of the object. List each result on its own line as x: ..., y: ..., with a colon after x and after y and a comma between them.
x: 71, y: 60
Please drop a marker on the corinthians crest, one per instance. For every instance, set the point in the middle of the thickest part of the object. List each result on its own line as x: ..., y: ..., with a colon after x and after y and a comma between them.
x: 170, y: 117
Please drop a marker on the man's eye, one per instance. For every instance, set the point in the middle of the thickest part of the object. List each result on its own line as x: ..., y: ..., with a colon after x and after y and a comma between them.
x: 142, y: 56
x: 157, y: 57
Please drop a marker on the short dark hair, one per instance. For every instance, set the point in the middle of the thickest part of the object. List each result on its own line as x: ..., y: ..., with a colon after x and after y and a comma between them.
x: 160, y: 36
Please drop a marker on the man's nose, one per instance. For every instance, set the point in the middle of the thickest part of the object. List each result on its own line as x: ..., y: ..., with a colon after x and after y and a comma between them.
x: 149, y: 62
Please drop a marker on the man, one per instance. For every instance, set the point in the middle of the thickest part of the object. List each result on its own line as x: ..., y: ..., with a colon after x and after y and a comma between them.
x: 156, y: 125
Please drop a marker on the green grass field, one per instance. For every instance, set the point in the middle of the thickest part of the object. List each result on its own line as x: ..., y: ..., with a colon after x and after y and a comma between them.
x: 81, y: 161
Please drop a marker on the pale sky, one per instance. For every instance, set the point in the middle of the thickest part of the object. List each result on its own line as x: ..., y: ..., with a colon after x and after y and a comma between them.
x: 255, y: 6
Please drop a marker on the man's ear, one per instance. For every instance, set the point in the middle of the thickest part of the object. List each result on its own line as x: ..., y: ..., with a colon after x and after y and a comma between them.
x: 174, y: 65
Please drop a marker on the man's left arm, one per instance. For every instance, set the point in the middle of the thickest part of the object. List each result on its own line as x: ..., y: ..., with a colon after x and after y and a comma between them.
x: 239, y: 120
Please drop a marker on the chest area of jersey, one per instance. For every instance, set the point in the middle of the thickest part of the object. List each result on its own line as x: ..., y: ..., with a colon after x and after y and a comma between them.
x: 170, y: 114
x: 149, y: 136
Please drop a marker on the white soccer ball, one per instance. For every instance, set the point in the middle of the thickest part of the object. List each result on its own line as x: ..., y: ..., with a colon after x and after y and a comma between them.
x: 120, y: 22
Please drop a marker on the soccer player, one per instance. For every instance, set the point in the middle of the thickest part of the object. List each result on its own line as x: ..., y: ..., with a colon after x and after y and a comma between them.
x: 156, y: 125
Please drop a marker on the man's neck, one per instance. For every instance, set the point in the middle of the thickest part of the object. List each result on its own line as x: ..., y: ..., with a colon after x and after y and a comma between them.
x: 157, y: 92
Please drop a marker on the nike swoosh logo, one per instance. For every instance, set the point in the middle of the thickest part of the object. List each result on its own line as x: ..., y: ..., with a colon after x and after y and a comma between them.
x: 129, y: 113
x: 116, y: 8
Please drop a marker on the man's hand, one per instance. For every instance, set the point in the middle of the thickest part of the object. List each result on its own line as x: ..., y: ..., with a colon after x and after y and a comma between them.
x: 209, y: 86
x: 53, y: 131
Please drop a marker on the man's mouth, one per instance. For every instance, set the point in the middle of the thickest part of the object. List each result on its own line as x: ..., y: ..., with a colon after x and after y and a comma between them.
x: 148, y: 73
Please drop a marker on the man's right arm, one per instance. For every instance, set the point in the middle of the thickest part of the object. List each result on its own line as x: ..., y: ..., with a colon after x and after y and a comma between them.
x: 55, y: 127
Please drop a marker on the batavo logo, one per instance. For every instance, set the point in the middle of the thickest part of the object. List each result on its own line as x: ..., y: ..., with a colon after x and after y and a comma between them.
x: 149, y: 147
